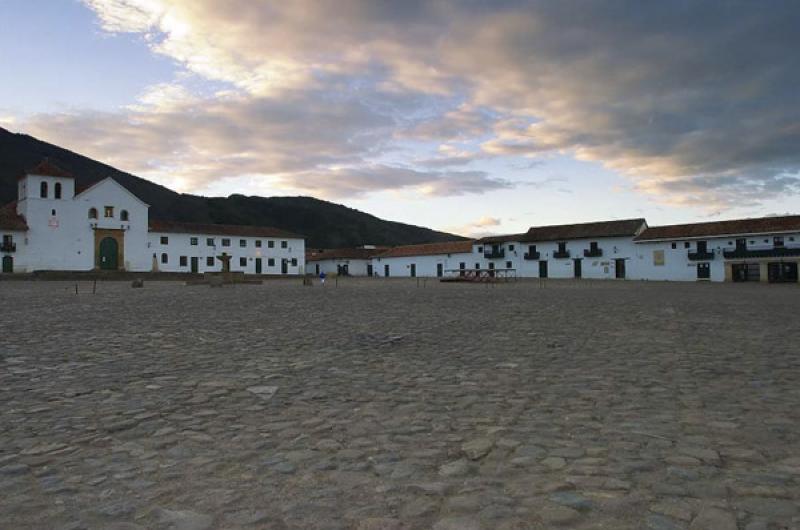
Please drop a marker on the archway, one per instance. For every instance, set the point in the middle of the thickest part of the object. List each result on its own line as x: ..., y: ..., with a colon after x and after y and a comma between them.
x: 8, y: 264
x: 108, y: 253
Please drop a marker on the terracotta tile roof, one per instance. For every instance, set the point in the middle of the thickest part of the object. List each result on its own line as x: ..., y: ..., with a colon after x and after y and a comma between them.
x: 11, y: 220
x: 761, y: 225
x: 220, y: 230
x: 622, y: 228
x: 428, y: 249
x: 344, y: 253
x: 46, y: 168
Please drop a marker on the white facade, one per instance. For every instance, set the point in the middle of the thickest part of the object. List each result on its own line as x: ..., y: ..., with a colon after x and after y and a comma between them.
x: 423, y: 266
x: 352, y: 266
x: 107, y: 227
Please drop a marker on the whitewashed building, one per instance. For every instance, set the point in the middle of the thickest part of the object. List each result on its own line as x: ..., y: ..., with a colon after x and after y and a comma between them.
x: 425, y: 260
x: 599, y: 250
x: 762, y: 249
x: 343, y: 261
x: 106, y: 227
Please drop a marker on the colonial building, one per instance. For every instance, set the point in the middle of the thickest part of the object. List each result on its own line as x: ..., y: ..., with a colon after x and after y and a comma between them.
x: 343, y: 261
x: 106, y: 227
x: 763, y: 249
x: 430, y: 259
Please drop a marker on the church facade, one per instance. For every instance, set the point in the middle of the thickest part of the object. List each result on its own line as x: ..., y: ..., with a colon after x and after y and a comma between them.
x: 52, y: 226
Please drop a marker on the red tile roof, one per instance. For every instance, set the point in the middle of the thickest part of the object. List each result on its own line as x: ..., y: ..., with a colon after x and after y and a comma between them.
x: 622, y: 228
x: 46, y: 168
x: 220, y: 230
x: 428, y: 249
x: 761, y: 225
x: 11, y: 220
x: 344, y: 253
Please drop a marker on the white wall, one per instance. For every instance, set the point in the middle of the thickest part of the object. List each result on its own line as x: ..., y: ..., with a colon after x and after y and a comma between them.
x: 603, y: 267
x: 179, y: 244
x: 425, y: 265
x: 60, y: 234
x: 355, y: 266
x: 678, y: 267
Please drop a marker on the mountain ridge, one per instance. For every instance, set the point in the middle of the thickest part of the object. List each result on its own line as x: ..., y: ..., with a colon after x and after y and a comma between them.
x: 324, y: 224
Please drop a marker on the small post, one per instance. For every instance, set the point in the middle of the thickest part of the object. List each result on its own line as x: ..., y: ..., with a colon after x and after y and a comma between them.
x: 94, y: 286
x: 337, y: 280
x: 76, y: 288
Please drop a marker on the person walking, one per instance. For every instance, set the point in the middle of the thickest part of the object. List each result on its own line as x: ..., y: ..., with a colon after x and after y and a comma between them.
x: 322, y: 277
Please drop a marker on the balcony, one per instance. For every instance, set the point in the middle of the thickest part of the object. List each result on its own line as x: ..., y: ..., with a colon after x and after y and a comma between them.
x: 776, y: 252
x: 531, y: 255
x: 592, y: 252
x: 8, y: 247
x: 701, y: 255
x: 561, y: 254
x: 494, y: 253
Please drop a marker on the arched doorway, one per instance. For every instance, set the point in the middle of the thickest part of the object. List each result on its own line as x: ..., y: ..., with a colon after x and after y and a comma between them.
x: 8, y: 264
x: 108, y: 253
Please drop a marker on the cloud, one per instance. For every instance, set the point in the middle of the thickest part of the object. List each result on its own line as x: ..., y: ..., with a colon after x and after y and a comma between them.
x: 695, y: 102
x: 481, y: 227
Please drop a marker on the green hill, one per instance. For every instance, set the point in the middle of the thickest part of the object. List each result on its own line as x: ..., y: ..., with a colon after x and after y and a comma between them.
x: 325, y: 224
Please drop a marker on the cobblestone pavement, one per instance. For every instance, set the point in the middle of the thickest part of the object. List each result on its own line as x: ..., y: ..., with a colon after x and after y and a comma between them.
x: 383, y: 405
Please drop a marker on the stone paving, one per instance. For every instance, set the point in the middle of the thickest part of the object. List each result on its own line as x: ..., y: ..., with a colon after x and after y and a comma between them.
x: 378, y: 404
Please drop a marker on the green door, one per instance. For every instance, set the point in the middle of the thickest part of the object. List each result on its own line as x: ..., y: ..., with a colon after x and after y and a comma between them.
x: 8, y: 264
x: 195, y: 265
x: 258, y: 265
x: 108, y: 254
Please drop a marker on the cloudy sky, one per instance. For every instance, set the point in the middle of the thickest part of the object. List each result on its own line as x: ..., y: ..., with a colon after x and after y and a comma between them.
x: 470, y: 116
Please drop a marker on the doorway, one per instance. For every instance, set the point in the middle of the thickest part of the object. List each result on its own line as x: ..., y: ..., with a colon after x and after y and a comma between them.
x: 108, y: 254
x: 195, y: 263
x: 703, y: 271
x: 8, y: 264
x: 782, y: 272
x: 386, y: 271
x: 745, y: 272
x: 413, y: 270
x: 619, y: 269
x: 284, y: 266
x: 258, y: 265
x: 369, y: 269
x: 578, y: 267
x: 439, y: 270
x: 542, y: 269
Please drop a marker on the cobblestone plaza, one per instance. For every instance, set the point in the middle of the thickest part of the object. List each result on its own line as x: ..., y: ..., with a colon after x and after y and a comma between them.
x: 393, y: 404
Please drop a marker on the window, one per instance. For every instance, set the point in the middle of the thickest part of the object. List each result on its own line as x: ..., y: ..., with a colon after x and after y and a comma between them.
x: 284, y: 244
x: 242, y: 243
x: 183, y: 261
x: 477, y: 266
x: 53, y: 212
x: 480, y: 249
x: 57, y: 190
x: 674, y: 246
x: 164, y: 240
x: 686, y: 244
x: 271, y: 262
x: 508, y: 264
x: 108, y: 211
x: 294, y: 262
x: 193, y: 241
x: 777, y: 241
x: 562, y: 246
x: 531, y: 249
x: 209, y: 241
x: 43, y: 190
x: 702, y: 247
x: 226, y: 242
x: 741, y: 244
x: 270, y: 244
x: 243, y: 262
x: 462, y: 265
x: 123, y: 215
x: 209, y: 261
x: 510, y: 247
x: 258, y: 243
x: 593, y: 246
x: 164, y: 257
x: 92, y: 213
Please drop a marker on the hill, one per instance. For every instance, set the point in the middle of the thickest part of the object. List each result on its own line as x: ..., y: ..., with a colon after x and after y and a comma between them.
x: 325, y: 224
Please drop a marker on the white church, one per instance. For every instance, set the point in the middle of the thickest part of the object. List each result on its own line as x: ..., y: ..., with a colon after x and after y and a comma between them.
x: 106, y: 227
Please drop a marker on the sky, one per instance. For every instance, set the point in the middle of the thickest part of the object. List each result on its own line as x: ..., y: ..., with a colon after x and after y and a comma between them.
x: 474, y: 117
